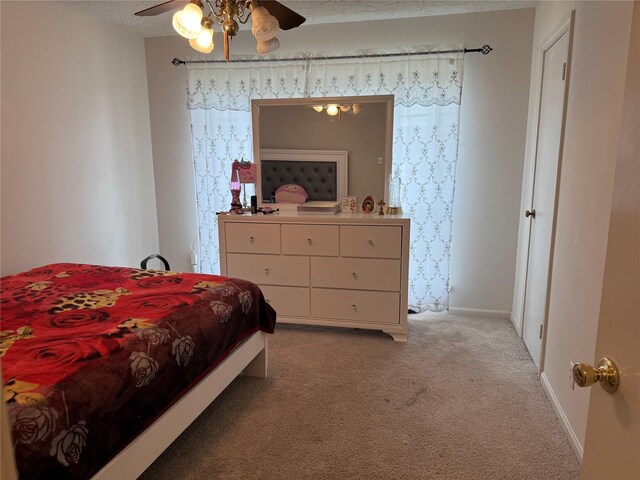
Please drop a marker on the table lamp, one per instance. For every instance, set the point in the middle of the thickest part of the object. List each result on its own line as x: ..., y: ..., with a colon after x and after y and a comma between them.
x: 247, y: 174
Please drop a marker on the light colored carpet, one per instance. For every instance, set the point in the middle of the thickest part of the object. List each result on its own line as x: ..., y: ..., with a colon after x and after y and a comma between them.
x: 460, y: 400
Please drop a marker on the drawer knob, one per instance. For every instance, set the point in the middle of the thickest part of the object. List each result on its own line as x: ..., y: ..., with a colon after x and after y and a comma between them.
x: 309, y: 241
x: 252, y: 240
x: 354, y: 275
x: 370, y: 242
x: 266, y: 271
x: 354, y: 307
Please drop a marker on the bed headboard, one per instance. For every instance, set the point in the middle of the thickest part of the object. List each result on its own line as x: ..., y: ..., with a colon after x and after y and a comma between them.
x: 322, y: 173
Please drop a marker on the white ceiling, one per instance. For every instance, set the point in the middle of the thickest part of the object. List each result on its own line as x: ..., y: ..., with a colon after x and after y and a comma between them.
x: 121, y: 12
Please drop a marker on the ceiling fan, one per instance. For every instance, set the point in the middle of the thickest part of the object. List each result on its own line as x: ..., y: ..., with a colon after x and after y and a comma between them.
x: 267, y: 16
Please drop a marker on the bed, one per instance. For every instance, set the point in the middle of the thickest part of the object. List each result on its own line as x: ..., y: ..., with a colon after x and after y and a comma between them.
x: 103, y: 367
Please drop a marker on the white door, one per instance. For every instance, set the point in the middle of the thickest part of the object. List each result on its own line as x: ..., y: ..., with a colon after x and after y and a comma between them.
x: 541, y: 212
x: 612, y: 443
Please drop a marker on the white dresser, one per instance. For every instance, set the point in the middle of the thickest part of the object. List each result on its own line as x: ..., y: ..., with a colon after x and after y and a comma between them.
x: 346, y: 270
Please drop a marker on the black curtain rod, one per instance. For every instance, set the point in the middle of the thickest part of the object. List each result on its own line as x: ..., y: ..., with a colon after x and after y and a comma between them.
x: 485, y: 49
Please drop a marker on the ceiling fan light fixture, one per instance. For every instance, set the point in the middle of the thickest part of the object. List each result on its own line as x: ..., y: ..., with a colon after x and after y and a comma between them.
x: 268, y: 46
x: 264, y: 26
x: 265, y: 21
x: 318, y: 108
x: 187, y: 21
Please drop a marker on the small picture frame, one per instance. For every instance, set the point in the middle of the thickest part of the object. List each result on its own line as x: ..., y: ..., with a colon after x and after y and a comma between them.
x: 369, y: 204
x: 349, y: 204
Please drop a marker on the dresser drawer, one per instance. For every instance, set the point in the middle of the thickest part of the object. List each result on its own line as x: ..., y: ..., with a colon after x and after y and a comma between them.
x: 269, y: 269
x: 322, y: 240
x: 371, y: 241
x: 356, y: 273
x: 253, y: 237
x: 373, y: 307
x: 287, y: 301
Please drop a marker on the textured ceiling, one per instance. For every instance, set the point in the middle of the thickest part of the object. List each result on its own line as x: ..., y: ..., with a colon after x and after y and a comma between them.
x: 316, y: 12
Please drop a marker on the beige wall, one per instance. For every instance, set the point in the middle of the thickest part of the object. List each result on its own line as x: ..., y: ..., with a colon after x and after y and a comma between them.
x: 492, y: 135
x: 172, y: 159
x: 596, y: 90
x: 363, y: 136
x: 77, y: 172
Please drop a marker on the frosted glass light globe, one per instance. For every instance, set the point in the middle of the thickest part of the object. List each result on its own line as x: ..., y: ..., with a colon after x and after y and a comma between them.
x: 203, y: 43
x: 264, y: 26
x: 192, y: 16
x: 187, y: 21
x: 332, y: 110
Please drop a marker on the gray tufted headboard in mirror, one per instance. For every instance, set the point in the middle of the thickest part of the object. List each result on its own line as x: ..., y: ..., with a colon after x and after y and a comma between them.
x: 322, y: 173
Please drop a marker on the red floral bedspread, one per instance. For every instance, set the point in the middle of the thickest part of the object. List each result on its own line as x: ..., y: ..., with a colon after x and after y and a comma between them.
x: 92, y: 355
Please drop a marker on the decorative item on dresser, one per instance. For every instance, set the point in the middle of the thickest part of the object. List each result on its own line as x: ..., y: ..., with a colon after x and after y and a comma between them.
x: 396, y: 193
x: 236, y: 206
x: 345, y: 270
x: 369, y: 204
x: 349, y: 204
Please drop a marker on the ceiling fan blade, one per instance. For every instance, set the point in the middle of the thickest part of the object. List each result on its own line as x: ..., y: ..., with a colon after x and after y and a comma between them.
x: 287, y: 18
x: 161, y: 8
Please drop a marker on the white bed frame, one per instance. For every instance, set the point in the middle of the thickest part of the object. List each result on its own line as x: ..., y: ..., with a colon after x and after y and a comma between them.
x: 249, y: 358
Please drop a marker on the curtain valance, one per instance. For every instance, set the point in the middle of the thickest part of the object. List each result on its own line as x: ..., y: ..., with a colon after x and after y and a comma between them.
x: 413, y: 80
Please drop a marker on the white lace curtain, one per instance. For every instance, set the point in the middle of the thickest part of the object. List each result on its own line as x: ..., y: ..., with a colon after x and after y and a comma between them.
x: 427, y: 92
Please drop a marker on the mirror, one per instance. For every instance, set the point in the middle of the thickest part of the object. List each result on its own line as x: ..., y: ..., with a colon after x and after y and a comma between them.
x: 363, y: 126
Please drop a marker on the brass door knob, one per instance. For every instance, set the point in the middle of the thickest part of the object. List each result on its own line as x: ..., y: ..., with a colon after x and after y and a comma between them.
x: 531, y: 213
x: 606, y: 374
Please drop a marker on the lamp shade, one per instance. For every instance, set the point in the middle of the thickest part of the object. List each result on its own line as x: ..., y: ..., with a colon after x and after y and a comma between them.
x: 187, y: 21
x: 264, y: 26
x: 264, y: 47
x: 235, y: 179
x: 203, y: 43
x: 247, y: 172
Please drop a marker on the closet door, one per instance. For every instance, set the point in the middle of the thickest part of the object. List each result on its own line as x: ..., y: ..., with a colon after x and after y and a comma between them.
x: 541, y: 213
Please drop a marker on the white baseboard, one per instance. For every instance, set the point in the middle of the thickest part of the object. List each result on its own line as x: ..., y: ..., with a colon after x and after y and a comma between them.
x: 479, y: 312
x: 517, y: 326
x: 564, y: 421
